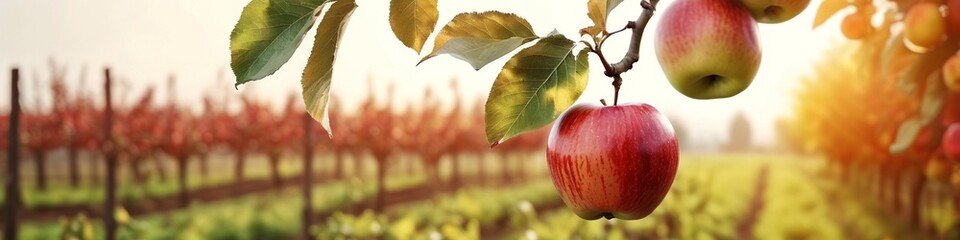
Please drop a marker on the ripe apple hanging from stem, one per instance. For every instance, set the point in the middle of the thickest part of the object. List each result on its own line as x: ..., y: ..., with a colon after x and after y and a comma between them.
x: 708, y: 48
x: 612, y: 161
x: 951, y: 142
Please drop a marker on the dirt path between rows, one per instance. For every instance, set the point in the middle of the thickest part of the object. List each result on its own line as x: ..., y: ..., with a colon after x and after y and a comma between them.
x: 170, y: 202
x: 746, y: 225
x: 210, y: 194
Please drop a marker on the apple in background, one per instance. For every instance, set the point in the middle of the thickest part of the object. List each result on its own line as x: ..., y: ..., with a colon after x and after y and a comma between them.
x: 775, y: 11
x: 953, y: 17
x: 951, y: 142
x: 612, y: 161
x: 708, y: 48
x: 924, y: 26
x: 856, y: 26
x: 938, y: 170
x: 951, y: 72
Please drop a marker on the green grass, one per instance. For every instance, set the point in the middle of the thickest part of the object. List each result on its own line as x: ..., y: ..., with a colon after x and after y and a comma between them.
x: 710, y: 197
x: 274, y: 215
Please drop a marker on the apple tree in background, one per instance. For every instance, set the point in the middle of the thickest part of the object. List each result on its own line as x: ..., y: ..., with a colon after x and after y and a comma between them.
x: 885, y: 108
x: 707, y: 48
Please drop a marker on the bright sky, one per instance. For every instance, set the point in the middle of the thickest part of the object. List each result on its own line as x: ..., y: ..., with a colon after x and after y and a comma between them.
x: 145, y: 41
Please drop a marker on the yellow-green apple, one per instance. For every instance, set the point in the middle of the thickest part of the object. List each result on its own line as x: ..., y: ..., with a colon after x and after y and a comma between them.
x: 924, y: 26
x: 938, y: 170
x: 951, y: 142
x: 775, y: 11
x: 612, y: 161
x: 708, y: 48
x: 953, y: 17
x: 951, y: 72
x: 856, y: 26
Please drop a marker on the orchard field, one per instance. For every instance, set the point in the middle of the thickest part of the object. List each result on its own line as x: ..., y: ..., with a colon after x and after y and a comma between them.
x: 440, y: 181
x: 716, y: 196
x: 235, y: 179
x: 750, y: 119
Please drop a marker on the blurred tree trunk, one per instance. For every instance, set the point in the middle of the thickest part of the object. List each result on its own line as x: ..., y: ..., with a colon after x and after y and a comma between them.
x: 430, y: 164
x: 308, y: 176
x: 239, y: 166
x: 956, y: 204
x: 521, y: 162
x: 411, y: 168
x: 505, y: 168
x: 110, y: 156
x: 136, y: 167
x: 41, y: 168
x: 73, y: 166
x: 358, y: 165
x: 182, y: 179
x: 455, y: 165
x: 158, y: 167
x: 381, y: 182
x: 916, y: 193
x: 338, y: 165
x: 95, y: 176
x: 12, y: 178
x: 845, y: 172
x: 881, y: 185
x: 481, y: 169
x: 896, y: 179
x: 274, y: 159
x: 204, y: 165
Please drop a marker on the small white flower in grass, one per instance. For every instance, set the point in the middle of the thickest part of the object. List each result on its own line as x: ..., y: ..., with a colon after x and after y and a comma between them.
x: 434, y: 235
x: 525, y: 206
x: 530, y: 235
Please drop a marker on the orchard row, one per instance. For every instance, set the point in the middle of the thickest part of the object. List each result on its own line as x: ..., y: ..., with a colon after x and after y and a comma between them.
x: 147, y: 131
x: 885, y: 107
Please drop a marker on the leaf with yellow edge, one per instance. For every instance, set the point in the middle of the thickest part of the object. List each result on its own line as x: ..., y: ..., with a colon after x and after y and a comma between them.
x: 412, y: 21
x: 319, y: 71
x: 931, y: 105
x: 267, y: 34
x: 598, y: 10
x: 827, y: 9
x: 480, y: 38
x: 534, y: 87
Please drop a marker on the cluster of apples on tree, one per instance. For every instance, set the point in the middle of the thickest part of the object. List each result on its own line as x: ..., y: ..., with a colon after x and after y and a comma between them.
x: 707, y: 48
x: 886, y: 104
x: 917, y: 46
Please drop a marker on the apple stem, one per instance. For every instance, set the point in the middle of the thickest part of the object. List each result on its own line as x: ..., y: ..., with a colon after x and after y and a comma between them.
x: 617, y: 80
x: 633, y: 53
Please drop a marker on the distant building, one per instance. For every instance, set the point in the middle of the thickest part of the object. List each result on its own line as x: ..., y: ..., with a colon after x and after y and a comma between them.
x: 740, y: 139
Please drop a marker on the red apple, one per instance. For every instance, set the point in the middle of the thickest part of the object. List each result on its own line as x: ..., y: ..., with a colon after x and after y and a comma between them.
x: 612, y: 161
x: 924, y: 26
x: 708, y: 48
x: 953, y: 17
x: 951, y: 72
x: 951, y: 142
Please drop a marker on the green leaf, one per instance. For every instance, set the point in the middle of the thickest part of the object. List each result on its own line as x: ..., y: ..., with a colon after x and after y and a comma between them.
x: 598, y: 10
x: 931, y: 105
x: 412, y: 21
x: 319, y: 71
x: 267, y: 34
x: 906, y: 134
x: 480, y: 38
x: 534, y: 87
x: 827, y: 9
